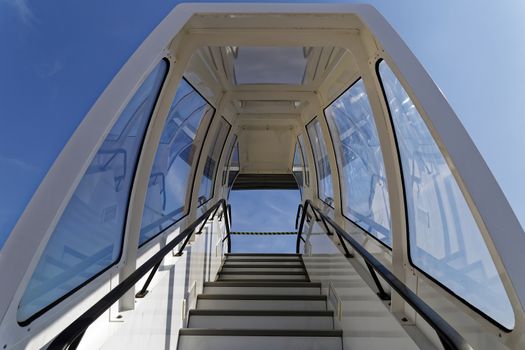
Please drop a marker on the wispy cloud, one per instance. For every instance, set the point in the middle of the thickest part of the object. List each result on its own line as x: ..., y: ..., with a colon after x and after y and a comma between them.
x: 15, y: 163
x: 22, y: 8
x: 47, y: 70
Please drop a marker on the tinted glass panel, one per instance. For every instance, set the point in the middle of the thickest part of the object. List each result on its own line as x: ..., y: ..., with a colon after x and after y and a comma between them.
x: 300, y: 140
x: 235, y: 166
x: 210, y: 168
x: 445, y: 241
x: 88, y: 236
x: 176, y: 156
x: 298, y: 167
x: 324, y: 173
x: 360, y: 161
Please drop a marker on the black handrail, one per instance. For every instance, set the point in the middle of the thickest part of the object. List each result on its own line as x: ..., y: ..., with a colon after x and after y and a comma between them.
x: 69, y: 337
x: 144, y: 290
x: 299, y: 208
x: 449, y: 337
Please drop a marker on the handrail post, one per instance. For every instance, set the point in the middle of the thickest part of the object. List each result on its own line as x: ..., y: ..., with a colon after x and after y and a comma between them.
x: 299, y: 208
x: 229, y: 207
x: 343, y: 244
x: 142, y: 293
x: 328, y: 232
x: 301, y: 225
x: 226, y: 211
x: 381, y: 292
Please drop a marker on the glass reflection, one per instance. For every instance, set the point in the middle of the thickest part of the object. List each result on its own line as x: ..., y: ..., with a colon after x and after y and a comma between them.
x: 234, y: 166
x: 175, y: 158
x: 445, y: 241
x: 298, y: 167
x: 306, y: 172
x: 88, y: 236
x: 324, y: 172
x: 210, y: 168
x: 360, y: 161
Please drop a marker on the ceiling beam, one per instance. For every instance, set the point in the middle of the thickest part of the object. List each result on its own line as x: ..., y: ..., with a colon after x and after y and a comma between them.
x: 293, y: 37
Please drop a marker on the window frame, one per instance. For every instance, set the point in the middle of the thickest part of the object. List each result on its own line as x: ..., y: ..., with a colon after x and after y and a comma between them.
x: 305, y: 160
x: 193, y: 172
x: 337, y: 164
x: 315, y: 164
x: 147, y: 130
x: 235, y: 145
x: 306, y: 178
x: 298, y: 147
x: 217, y: 166
x: 405, y: 204
x: 225, y: 175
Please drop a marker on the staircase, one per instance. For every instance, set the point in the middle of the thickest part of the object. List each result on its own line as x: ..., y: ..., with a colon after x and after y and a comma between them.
x: 261, y: 302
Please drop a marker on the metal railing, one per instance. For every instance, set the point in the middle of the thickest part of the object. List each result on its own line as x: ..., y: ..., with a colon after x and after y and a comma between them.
x: 70, y: 337
x: 449, y: 337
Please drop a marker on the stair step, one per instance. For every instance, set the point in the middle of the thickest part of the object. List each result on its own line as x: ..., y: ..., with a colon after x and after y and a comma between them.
x: 261, y: 319
x: 264, y: 272
x: 293, y: 258
x: 261, y: 332
x: 263, y: 280
x: 261, y: 254
x: 262, y: 266
x: 263, y: 276
x: 260, y: 297
x: 264, y: 284
x: 263, y: 269
x: 299, y: 313
x: 227, y: 287
x: 241, y: 339
x: 275, y: 261
x: 261, y: 302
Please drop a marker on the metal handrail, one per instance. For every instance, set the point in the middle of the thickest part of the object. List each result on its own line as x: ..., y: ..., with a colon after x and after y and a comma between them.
x: 70, y: 337
x: 449, y: 336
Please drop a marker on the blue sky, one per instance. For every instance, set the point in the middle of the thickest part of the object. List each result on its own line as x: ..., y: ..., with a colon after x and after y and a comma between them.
x: 58, y: 56
x: 275, y: 212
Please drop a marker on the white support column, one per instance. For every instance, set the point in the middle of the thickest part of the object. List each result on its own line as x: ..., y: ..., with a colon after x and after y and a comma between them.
x: 366, y: 65
x: 140, y: 185
x: 307, y: 116
x: 206, y: 149
x: 336, y: 178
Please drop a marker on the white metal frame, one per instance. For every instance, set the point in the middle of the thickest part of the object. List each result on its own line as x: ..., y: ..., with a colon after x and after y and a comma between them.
x: 360, y: 30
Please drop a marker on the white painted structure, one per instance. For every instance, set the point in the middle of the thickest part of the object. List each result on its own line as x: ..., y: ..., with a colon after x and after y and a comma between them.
x: 268, y: 74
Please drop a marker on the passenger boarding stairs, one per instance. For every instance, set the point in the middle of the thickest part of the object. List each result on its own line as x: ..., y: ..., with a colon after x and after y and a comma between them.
x: 261, y: 302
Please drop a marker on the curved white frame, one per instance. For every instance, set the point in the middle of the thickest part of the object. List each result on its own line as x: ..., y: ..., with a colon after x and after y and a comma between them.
x: 500, y: 228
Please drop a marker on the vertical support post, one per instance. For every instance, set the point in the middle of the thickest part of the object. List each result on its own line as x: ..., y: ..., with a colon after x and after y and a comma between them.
x: 366, y: 61
x: 141, y: 179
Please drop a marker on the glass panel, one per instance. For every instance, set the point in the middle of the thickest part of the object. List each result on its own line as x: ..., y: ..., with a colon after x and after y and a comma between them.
x: 176, y: 157
x: 445, y: 241
x: 235, y: 165
x: 298, y: 167
x: 324, y: 172
x: 226, y: 168
x: 360, y: 161
x: 88, y: 237
x: 270, y: 65
x: 210, y: 168
x: 300, y: 139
